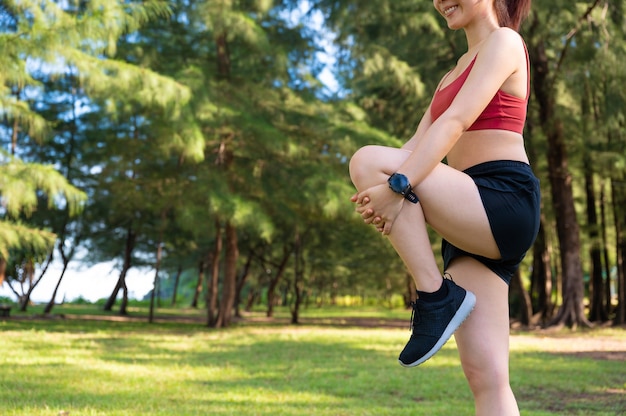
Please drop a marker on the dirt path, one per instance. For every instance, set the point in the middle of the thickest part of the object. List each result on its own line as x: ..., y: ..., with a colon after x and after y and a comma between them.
x: 590, y: 346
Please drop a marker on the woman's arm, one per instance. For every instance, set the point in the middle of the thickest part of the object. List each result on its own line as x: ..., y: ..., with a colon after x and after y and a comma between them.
x: 499, y: 58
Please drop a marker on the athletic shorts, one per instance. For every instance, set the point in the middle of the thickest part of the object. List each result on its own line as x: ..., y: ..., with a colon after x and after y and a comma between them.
x: 511, y: 197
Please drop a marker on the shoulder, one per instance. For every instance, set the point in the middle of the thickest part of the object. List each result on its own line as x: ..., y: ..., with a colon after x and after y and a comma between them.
x: 503, y: 41
x: 503, y: 47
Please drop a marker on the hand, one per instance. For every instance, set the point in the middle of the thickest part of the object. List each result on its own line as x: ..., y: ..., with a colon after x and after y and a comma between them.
x: 368, y: 214
x: 378, y: 206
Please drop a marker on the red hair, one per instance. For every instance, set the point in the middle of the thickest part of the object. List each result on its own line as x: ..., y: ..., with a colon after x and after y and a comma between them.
x: 511, y: 13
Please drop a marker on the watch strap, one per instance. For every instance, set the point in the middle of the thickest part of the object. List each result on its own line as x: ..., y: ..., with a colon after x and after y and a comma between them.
x: 411, y: 197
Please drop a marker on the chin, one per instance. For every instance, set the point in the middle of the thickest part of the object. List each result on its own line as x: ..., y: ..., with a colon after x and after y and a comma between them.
x: 454, y: 24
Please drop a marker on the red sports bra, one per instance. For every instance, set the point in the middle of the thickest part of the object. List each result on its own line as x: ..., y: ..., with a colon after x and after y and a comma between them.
x: 504, y: 111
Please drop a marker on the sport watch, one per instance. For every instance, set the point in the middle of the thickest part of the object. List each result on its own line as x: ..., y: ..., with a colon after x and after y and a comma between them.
x: 400, y: 184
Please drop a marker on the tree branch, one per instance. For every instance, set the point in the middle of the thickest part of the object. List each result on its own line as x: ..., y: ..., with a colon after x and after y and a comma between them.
x: 572, y: 33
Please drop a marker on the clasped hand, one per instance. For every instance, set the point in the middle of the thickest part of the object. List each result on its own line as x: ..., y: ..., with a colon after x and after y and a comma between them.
x: 378, y: 206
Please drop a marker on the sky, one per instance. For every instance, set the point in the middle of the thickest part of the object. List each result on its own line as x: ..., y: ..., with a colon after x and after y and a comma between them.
x: 91, y: 283
x: 325, y: 41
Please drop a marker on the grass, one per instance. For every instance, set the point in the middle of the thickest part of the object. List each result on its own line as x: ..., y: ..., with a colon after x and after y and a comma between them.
x: 97, y: 367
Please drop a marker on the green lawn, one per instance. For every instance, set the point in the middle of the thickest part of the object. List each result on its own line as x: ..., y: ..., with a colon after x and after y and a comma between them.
x: 95, y: 367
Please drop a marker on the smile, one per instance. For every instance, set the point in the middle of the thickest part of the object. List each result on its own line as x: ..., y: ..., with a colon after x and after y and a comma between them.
x: 449, y: 10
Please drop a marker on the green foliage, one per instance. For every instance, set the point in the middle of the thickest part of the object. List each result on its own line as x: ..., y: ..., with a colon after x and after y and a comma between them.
x: 19, y: 183
x: 16, y: 236
x: 177, y: 117
x: 21, y: 187
x: 396, y: 51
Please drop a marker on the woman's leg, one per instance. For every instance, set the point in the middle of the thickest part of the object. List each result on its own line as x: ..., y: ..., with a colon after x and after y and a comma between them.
x: 450, y: 202
x: 483, y: 340
x: 372, y: 165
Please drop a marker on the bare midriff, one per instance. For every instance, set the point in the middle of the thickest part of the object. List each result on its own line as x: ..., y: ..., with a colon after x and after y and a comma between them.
x: 478, y: 146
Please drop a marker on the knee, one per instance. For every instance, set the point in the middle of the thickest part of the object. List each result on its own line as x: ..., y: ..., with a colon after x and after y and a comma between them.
x: 363, y: 165
x: 486, y: 378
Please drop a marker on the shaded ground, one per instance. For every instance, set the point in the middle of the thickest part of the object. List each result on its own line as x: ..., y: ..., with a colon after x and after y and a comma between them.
x: 559, y: 342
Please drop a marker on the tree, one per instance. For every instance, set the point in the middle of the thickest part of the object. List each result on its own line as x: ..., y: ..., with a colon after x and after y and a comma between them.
x: 21, y: 245
x: 80, y: 36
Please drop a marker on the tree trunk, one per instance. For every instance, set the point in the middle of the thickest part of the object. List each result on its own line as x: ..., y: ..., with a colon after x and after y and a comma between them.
x: 108, y: 306
x: 280, y: 271
x: 241, y: 282
x: 28, y: 271
x: 157, y: 266
x: 596, y: 283
x: 298, y: 277
x: 525, y: 304
x: 66, y: 262
x: 179, y: 271
x: 540, y: 291
x: 223, y: 55
x: 196, y: 295
x: 571, y: 312
x: 619, y: 198
x: 25, y: 299
x: 124, y: 302
x: 620, y: 310
x: 253, y: 296
x: 605, y: 252
x: 541, y: 286
x: 230, y: 277
x: 131, y: 238
x: 213, y: 284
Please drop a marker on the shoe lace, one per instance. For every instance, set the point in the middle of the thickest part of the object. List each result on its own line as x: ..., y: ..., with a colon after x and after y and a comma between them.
x: 415, y: 316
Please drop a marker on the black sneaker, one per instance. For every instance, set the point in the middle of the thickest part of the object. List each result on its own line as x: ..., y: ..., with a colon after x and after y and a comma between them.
x: 433, y: 323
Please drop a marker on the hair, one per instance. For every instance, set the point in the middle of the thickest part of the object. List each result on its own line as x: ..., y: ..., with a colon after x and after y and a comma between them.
x: 511, y: 13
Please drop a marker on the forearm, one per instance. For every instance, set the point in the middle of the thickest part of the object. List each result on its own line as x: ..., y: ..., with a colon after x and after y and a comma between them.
x: 430, y: 149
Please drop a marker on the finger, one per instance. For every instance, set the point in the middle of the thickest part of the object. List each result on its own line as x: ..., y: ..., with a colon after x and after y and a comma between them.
x: 354, y: 197
x: 361, y: 209
x: 368, y: 217
x: 387, y: 228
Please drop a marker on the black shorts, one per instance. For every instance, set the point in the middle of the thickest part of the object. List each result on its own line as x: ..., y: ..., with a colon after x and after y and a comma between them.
x: 511, y: 197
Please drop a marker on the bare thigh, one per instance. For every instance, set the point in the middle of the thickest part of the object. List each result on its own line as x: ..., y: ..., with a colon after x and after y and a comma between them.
x: 450, y: 200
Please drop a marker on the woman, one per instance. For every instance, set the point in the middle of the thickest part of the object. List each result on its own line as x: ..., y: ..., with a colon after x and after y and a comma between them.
x: 484, y: 202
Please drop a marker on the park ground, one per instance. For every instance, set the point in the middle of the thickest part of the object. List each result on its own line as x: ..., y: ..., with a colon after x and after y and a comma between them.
x: 337, y: 361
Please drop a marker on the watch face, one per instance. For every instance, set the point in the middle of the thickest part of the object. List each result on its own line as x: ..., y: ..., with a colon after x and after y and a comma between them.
x: 398, y: 183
